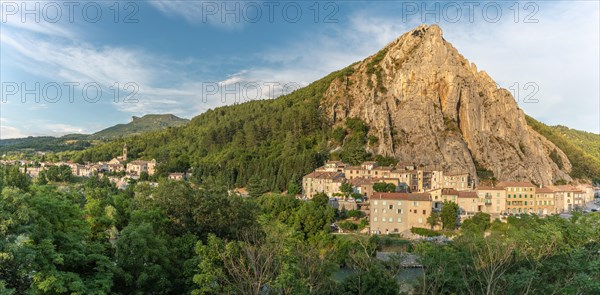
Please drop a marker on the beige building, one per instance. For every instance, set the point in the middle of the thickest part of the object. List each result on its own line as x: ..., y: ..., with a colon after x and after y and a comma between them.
x: 468, y: 202
x: 568, y: 198
x: 138, y: 167
x: 544, y: 201
x: 492, y: 199
x: 398, y: 212
x: 460, y: 181
x: 332, y: 166
x: 322, y: 182
x: 519, y: 197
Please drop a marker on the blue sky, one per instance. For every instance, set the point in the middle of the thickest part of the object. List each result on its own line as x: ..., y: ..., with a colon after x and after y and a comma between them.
x: 171, y: 54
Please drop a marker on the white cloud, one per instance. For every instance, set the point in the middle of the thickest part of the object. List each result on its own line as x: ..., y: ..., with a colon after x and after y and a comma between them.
x: 214, y: 13
x: 10, y: 132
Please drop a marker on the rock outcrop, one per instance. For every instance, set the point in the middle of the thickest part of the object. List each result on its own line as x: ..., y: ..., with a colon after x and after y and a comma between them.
x: 426, y: 103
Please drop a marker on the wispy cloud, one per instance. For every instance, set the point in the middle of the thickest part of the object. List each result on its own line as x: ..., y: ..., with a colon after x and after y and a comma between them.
x: 214, y: 13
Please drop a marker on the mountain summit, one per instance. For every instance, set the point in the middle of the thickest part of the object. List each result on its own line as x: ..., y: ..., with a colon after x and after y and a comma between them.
x: 426, y: 103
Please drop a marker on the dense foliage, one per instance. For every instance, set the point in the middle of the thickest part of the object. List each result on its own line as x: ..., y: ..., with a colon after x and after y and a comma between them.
x: 582, y: 148
x: 526, y: 255
x: 178, y: 238
x: 274, y: 141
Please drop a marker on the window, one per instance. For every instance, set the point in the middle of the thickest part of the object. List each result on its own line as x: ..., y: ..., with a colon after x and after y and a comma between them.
x: 399, y: 203
x: 384, y: 203
x: 399, y: 220
x: 424, y: 211
x: 375, y: 218
x: 420, y: 220
x: 383, y: 211
x: 382, y: 219
x: 391, y: 220
x: 375, y: 210
x: 391, y: 207
x: 399, y: 211
x: 375, y: 203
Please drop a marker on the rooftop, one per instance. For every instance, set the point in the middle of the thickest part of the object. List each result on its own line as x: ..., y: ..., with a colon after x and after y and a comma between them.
x: 402, y: 196
x: 515, y: 184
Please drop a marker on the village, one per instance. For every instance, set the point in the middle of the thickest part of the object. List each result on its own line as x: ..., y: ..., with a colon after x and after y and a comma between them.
x: 118, y: 170
x: 396, y: 199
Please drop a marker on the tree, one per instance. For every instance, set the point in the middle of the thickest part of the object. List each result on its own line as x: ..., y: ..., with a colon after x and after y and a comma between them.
x: 374, y: 281
x: 434, y: 219
x: 449, y: 215
x: 142, y: 258
x: 59, y: 173
x: 144, y: 176
x: 314, y: 216
x: 348, y: 226
x: 346, y: 188
x: 356, y: 214
x: 46, y: 246
x: 293, y: 188
x: 384, y: 187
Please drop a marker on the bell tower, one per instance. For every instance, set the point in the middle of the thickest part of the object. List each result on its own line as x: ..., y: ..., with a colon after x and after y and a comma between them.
x: 125, y: 152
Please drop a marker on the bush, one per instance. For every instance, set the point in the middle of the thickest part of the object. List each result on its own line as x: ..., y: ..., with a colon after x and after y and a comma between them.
x: 424, y: 232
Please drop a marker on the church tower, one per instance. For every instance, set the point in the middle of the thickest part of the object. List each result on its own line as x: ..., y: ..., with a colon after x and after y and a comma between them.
x: 125, y: 152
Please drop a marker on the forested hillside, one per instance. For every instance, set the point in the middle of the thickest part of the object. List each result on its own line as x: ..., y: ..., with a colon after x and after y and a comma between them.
x: 267, y: 142
x: 582, y: 148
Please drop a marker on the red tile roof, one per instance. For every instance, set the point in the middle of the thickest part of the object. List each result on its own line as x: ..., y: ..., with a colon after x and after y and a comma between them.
x: 449, y: 191
x: 467, y: 195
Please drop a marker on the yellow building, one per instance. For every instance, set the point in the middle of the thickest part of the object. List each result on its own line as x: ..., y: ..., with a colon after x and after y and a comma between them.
x: 519, y: 197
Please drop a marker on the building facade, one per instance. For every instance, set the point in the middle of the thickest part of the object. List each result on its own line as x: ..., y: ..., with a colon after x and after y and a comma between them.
x: 398, y: 212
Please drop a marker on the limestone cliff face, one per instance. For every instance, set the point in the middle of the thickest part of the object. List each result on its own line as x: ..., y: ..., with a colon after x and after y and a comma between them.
x: 426, y: 103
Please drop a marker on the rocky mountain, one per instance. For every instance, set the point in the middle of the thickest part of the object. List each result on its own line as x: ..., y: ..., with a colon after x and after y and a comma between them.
x: 426, y: 103
x: 416, y: 100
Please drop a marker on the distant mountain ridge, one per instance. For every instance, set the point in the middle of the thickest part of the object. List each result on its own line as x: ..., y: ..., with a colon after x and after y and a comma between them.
x: 70, y: 142
x: 139, y: 125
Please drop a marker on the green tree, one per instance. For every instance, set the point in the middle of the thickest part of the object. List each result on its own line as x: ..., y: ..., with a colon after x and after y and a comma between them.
x: 59, y: 173
x: 142, y: 259
x: 314, y: 216
x: 384, y: 187
x: 293, y: 188
x: 346, y: 188
x: 449, y: 215
x: 434, y: 219
x: 374, y: 281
